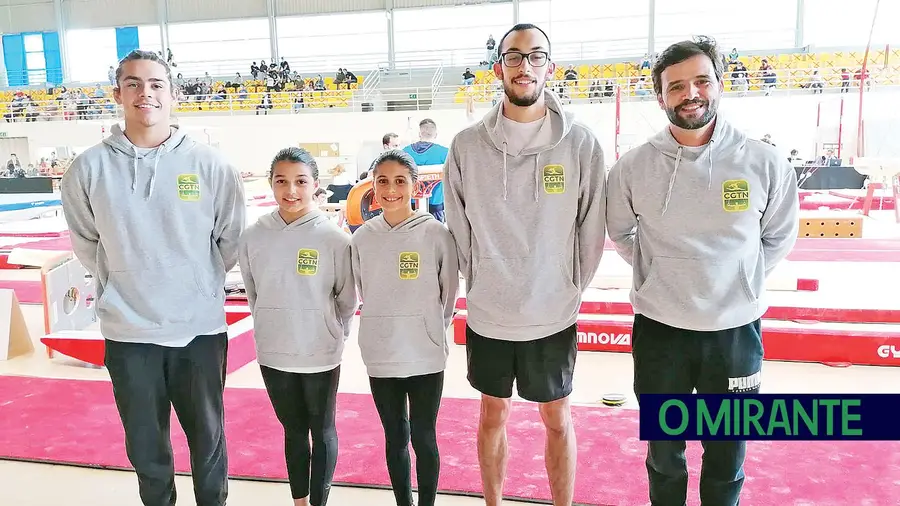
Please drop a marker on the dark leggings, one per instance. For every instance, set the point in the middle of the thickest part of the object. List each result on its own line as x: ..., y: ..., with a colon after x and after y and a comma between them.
x: 305, y: 404
x: 424, y: 395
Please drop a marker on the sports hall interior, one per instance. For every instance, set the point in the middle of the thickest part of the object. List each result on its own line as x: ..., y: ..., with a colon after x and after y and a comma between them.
x: 818, y: 79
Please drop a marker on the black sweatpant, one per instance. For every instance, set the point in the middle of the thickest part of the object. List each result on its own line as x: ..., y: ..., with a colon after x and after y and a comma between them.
x: 424, y: 396
x: 148, y: 380
x: 668, y: 360
x: 305, y: 404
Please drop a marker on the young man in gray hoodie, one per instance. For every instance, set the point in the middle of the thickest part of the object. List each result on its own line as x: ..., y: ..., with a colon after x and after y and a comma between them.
x: 156, y: 218
x: 525, y: 201
x: 703, y: 214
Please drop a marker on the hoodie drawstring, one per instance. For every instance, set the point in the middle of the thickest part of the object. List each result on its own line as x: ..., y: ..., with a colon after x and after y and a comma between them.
x: 134, y: 171
x: 672, y: 180
x: 537, y: 175
x: 505, y: 193
x: 153, y: 174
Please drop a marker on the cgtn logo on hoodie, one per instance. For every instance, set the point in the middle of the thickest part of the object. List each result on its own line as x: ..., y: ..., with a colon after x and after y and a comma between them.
x: 409, y: 265
x: 189, y: 187
x: 554, y: 179
x: 307, y: 262
x: 736, y: 195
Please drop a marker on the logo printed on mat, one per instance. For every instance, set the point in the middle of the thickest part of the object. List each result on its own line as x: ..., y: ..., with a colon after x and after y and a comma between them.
x: 409, y: 265
x: 554, y: 179
x: 307, y: 262
x: 189, y: 187
x: 736, y: 195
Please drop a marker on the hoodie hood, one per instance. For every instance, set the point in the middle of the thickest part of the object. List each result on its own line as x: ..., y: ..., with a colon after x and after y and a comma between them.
x: 379, y: 224
x: 725, y: 140
x: 274, y: 221
x: 559, y: 122
x: 421, y: 146
x: 121, y: 146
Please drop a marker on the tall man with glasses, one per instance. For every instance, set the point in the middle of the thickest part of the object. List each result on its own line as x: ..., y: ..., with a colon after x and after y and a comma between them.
x: 525, y: 200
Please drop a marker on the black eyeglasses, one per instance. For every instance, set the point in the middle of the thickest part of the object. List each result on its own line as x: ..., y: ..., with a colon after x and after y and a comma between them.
x: 535, y: 58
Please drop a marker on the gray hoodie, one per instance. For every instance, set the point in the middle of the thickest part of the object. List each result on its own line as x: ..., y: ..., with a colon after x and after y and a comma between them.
x: 408, y: 278
x: 702, y: 227
x: 300, y: 288
x: 529, y: 226
x: 158, y: 232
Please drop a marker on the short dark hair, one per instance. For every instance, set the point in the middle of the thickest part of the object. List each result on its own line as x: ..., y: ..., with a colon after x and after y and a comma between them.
x: 399, y: 156
x: 387, y: 138
x: 139, y: 54
x: 681, y: 51
x: 295, y: 155
x: 427, y: 121
x: 521, y: 27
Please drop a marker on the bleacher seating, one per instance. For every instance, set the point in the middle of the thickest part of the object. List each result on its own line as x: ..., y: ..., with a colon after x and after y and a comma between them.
x: 333, y: 96
x: 794, y: 70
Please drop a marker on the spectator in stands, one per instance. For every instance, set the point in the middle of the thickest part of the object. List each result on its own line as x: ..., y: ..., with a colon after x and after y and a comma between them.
x: 319, y: 84
x: 795, y: 159
x: 254, y: 70
x: 111, y: 74
x: 697, y: 323
x: 427, y: 152
x: 645, y: 62
x: 339, y: 77
x: 490, y: 54
x: 468, y: 77
x: 734, y: 56
x: 867, y: 80
x: 816, y: 83
x: 285, y: 66
x: 768, y: 76
x: 207, y: 79
x: 350, y: 77
x: 525, y: 202
x: 264, y: 104
x: 160, y: 266
x: 740, y: 80
x: 845, y: 80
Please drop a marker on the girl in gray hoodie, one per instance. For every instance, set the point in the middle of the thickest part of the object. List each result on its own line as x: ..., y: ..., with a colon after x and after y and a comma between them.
x: 295, y: 263
x: 406, y: 271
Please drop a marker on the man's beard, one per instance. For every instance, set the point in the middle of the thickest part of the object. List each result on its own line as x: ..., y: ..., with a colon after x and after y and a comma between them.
x: 527, y: 100
x: 693, y: 123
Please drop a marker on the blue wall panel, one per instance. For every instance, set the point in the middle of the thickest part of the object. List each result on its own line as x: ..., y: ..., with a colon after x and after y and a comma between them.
x: 127, y: 40
x: 14, y: 56
x: 52, y: 59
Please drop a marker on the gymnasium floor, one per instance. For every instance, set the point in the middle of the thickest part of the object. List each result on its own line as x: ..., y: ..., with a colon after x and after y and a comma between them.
x: 26, y: 484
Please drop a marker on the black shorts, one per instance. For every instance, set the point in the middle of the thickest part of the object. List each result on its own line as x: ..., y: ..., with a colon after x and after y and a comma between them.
x: 542, y: 369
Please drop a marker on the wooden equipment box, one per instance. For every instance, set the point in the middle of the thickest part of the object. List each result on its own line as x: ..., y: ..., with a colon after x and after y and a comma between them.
x: 831, y: 226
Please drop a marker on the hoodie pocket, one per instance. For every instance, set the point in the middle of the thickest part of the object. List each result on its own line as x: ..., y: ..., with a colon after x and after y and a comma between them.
x: 688, y: 285
x: 395, y: 339
x: 522, y: 291
x: 151, y: 299
x: 302, y: 332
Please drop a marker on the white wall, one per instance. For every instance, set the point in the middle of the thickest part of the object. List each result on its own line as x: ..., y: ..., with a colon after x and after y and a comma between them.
x: 251, y: 141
